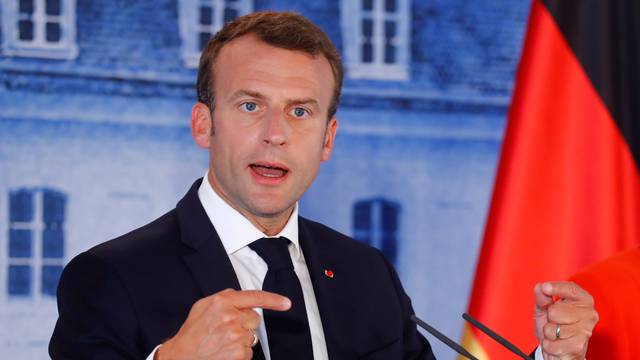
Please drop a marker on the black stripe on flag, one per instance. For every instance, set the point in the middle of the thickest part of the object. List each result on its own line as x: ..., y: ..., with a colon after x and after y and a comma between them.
x: 605, y: 36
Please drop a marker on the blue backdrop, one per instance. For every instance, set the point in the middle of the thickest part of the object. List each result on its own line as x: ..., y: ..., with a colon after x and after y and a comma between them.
x: 95, y: 98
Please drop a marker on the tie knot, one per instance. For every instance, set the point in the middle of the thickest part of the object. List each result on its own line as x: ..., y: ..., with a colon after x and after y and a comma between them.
x: 274, y: 251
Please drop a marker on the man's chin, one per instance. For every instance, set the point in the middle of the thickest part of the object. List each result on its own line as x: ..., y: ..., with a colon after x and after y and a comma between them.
x: 270, y: 209
x: 272, y: 212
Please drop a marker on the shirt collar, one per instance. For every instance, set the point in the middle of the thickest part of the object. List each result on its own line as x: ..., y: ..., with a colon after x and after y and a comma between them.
x: 236, y: 231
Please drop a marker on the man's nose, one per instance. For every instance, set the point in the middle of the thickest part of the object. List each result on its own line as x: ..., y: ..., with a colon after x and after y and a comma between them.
x: 276, y: 128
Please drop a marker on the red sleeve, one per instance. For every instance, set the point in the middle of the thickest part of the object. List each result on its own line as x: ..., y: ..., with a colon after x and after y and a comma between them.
x: 615, y: 287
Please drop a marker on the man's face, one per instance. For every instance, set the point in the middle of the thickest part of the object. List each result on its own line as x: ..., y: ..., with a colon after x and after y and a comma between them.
x: 270, y: 129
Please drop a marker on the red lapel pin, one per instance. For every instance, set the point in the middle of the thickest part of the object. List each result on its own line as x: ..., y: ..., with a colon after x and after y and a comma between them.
x: 328, y: 273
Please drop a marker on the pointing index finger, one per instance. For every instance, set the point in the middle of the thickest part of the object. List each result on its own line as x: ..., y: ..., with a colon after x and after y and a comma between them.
x: 259, y: 299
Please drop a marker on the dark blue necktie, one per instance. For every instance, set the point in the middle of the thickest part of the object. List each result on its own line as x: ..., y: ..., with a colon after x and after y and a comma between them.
x: 288, y: 331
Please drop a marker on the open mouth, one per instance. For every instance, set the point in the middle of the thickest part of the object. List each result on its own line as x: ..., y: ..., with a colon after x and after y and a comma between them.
x: 269, y: 171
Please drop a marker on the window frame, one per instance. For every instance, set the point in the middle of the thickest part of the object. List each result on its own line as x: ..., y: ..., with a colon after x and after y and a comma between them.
x: 352, y: 17
x: 190, y: 26
x: 376, y: 232
x: 65, y: 49
x: 36, y: 261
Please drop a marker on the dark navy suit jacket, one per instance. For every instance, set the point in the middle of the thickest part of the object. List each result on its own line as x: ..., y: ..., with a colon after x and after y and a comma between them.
x: 120, y: 299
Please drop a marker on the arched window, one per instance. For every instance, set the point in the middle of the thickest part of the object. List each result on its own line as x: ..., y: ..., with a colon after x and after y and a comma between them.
x: 375, y: 222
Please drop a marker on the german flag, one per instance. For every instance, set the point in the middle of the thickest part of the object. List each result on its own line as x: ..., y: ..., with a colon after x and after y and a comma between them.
x: 567, y: 192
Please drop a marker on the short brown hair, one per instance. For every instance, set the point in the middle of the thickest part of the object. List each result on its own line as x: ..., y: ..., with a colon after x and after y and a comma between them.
x: 285, y: 30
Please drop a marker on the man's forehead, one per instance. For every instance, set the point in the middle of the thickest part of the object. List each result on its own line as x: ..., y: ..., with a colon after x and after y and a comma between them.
x: 247, y: 44
x: 252, y: 59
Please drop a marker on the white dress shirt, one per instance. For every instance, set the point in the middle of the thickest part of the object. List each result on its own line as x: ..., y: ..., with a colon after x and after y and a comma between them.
x: 236, y: 233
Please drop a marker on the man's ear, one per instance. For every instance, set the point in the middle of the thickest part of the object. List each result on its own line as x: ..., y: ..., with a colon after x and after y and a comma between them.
x: 329, y: 138
x: 201, y: 123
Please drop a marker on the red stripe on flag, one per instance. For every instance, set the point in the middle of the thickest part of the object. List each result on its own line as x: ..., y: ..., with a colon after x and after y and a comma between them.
x: 567, y: 191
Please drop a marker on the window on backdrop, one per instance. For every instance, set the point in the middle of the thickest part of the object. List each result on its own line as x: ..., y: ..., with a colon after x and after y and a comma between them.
x: 376, y: 38
x: 201, y: 19
x: 39, y: 28
x: 36, y: 242
x: 375, y: 223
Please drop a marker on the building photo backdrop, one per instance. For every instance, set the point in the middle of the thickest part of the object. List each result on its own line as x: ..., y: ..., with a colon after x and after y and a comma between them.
x: 95, y: 102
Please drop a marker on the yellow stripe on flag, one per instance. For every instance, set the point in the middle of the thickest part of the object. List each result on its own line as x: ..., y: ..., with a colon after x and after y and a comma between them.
x: 472, y: 344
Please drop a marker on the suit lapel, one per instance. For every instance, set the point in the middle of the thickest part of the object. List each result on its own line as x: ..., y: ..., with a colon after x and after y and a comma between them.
x: 327, y: 291
x: 203, y: 252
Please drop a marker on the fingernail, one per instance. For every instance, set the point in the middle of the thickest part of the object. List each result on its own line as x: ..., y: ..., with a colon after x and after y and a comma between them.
x: 547, y: 287
x: 286, y: 303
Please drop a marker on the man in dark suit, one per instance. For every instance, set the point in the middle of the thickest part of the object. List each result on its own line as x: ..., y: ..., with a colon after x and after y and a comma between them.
x: 203, y: 281
x: 124, y: 297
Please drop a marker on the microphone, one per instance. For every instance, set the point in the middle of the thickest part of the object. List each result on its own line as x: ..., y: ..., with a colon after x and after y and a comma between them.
x: 450, y: 343
x: 495, y: 336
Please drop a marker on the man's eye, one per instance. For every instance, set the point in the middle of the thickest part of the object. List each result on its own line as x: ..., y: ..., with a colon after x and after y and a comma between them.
x: 300, y: 112
x: 249, y: 106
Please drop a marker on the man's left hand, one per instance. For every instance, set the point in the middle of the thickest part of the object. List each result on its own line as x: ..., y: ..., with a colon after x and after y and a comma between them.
x: 564, y: 318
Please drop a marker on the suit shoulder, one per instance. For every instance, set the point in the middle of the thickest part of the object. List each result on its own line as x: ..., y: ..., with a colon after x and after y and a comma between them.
x: 143, y: 242
x: 338, y: 241
x: 135, y: 258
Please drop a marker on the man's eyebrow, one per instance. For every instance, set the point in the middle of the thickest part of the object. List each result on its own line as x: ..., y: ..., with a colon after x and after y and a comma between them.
x: 256, y: 95
x: 248, y: 93
x: 309, y: 101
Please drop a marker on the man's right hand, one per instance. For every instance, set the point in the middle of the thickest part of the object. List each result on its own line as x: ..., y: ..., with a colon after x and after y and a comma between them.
x: 221, y: 326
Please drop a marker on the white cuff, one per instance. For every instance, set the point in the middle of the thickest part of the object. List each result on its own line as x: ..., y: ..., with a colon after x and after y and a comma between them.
x: 538, y: 354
